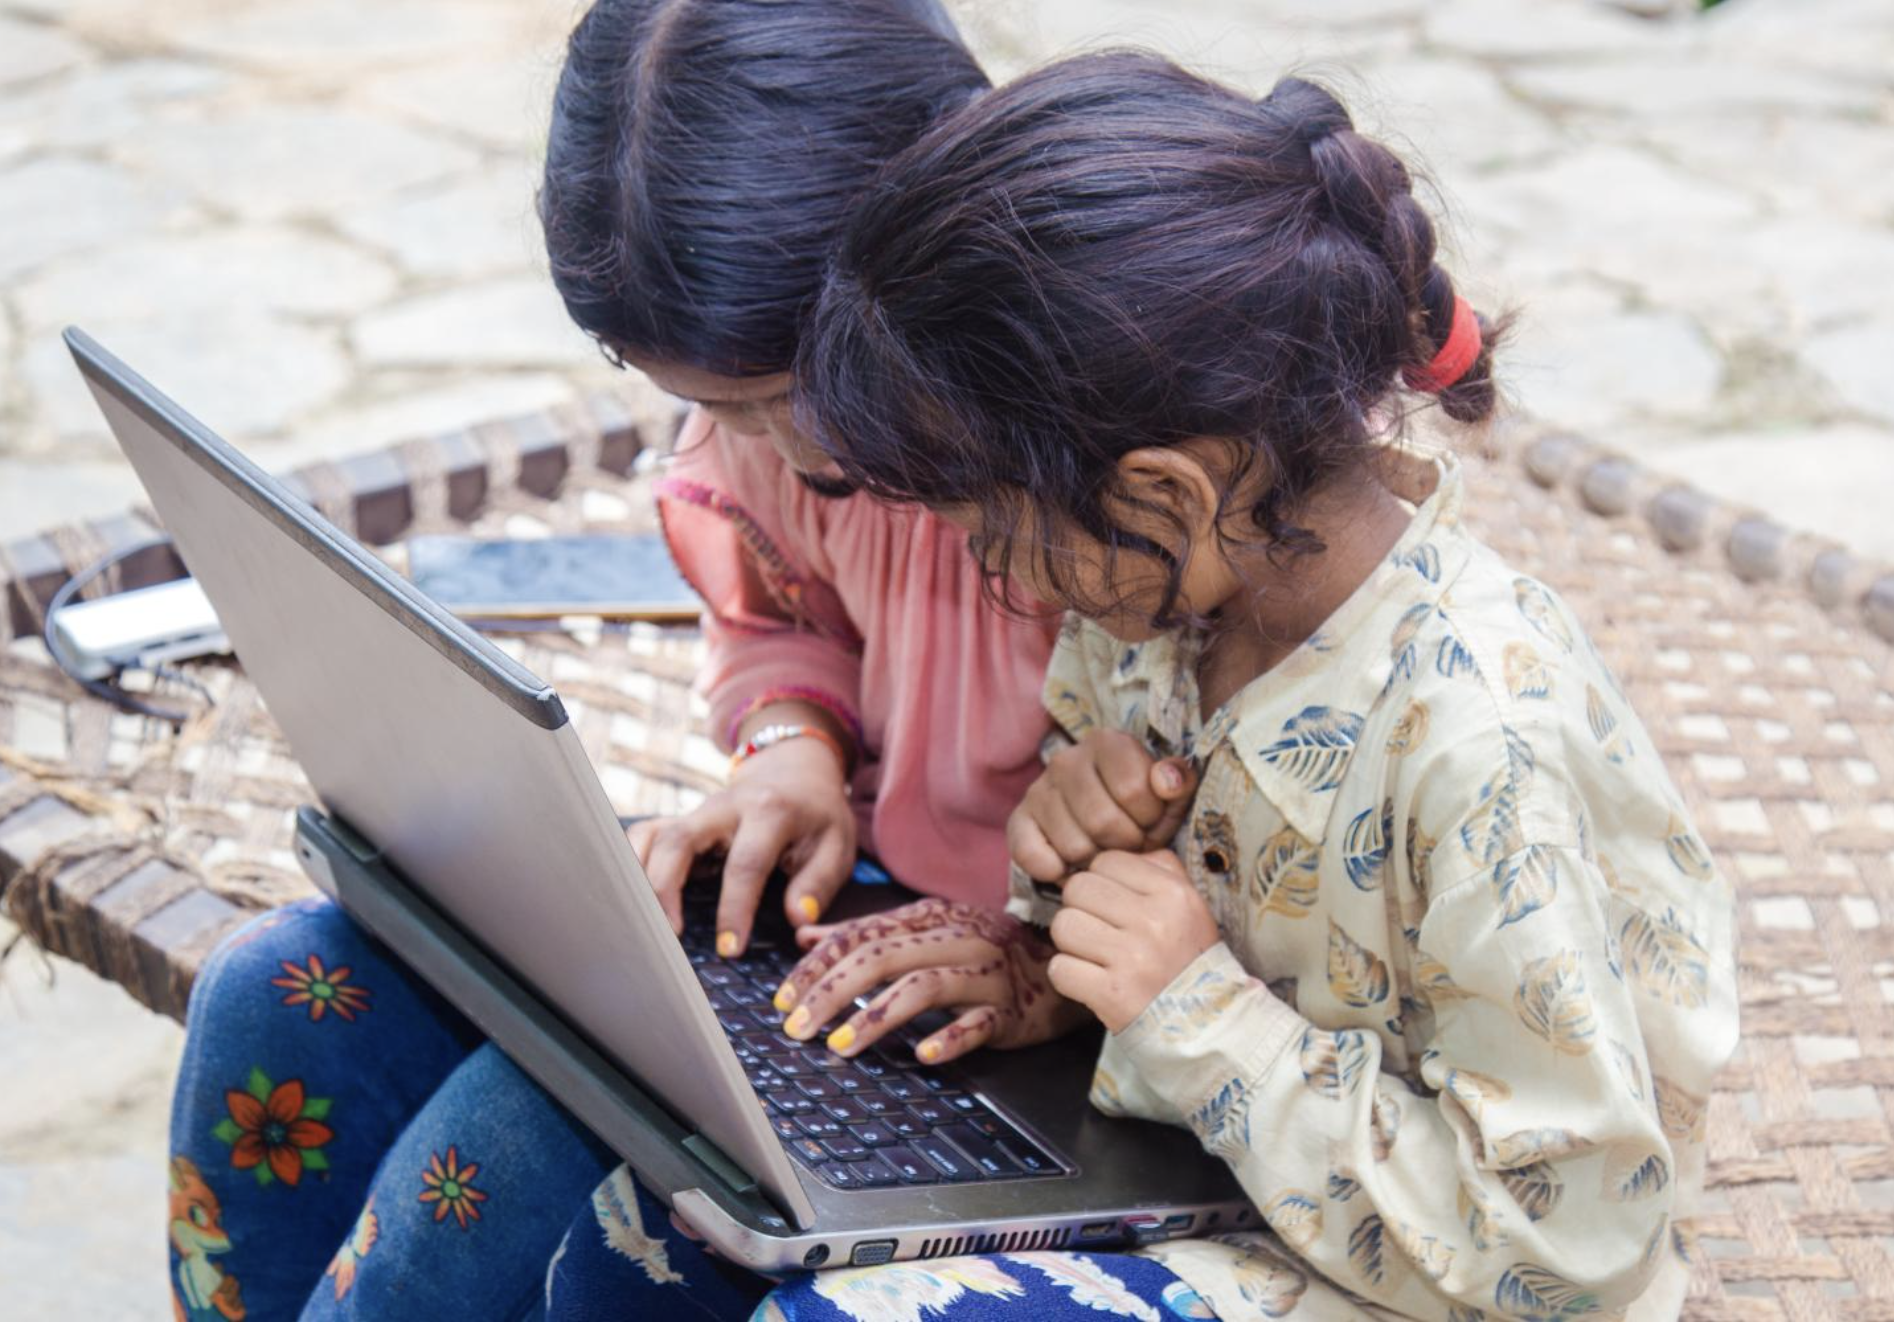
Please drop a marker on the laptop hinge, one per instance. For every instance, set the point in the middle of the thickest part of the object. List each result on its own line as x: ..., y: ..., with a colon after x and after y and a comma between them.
x: 360, y: 848
x: 720, y: 1166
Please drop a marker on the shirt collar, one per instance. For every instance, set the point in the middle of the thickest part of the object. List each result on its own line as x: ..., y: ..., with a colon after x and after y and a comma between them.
x: 1295, y: 728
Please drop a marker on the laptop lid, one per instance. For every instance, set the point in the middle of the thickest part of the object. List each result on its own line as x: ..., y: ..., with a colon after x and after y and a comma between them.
x: 454, y: 760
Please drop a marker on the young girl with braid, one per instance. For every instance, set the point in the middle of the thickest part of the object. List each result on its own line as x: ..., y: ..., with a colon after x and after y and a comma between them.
x: 1436, y: 963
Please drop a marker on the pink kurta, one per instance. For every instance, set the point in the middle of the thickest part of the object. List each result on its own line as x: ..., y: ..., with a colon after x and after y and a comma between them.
x: 876, y: 613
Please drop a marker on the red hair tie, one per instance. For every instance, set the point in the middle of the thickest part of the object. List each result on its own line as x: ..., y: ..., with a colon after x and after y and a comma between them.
x: 1456, y: 356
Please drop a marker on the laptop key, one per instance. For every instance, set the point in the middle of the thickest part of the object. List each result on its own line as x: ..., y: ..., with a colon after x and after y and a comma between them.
x: 989, y: 1126
x: 911, y: 1169
x: 850, y: 1082
x: 953, y: 1165
x: 839, y: 1176
x: 826, y: 1061
x: 964, y: 1104
x: 786, y: 1102
x: 935, y: 1082
x: 874, y: 1066
x: 749, y: 998
x: 790, y: 1067
x: 874, y: 1103
x: 816, y: 1125
x: 875, y: 1173
x: 984, y: 1152
x: 845, y: 1110
x: 809, y: 1149
x: 716, y: 975
x: 845, y: 1148
x: 734, y: 1022
x: 817, y: 1087
x: 901, y: 1088
x: 1029, y: 1158
x: 929, y: 1111
x: 785, y: 1127
x: 908, y: 1127
x: 872, y: 1135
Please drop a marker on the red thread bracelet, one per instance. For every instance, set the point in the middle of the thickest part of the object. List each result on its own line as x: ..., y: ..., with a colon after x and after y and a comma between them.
x: 771, y: 735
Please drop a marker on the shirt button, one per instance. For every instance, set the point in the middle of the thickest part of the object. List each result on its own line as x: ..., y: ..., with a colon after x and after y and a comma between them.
x: 1216, y: 860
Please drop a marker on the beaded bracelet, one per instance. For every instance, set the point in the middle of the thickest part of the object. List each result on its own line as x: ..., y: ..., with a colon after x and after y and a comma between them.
x: 771, y: 735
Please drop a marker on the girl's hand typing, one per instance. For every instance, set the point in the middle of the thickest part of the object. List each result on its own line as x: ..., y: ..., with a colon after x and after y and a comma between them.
x: 985, y: 965
x: 1128, y: 927
x: 1104, y: 792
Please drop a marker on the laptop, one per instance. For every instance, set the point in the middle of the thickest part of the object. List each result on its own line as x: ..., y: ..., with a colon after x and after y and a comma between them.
x: 462, y: 824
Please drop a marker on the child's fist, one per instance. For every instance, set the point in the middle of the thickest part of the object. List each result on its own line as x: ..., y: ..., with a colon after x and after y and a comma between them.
x: 1129, y: 926
x: 1104, y: 792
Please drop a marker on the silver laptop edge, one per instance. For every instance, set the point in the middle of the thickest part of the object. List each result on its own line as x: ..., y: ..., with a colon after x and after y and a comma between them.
x: 404, y: 765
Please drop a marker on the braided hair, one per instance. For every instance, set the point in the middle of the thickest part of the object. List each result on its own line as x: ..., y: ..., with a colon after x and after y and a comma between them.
x: 1112, y: 253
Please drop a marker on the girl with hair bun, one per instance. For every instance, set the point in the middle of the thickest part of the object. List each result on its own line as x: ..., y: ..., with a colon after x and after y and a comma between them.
x: 1435, y: 961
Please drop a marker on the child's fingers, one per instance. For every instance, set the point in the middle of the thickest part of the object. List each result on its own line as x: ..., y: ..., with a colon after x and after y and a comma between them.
x: 1063, y: 832
x: 1106, y: 898
x: 1174, y: 780
x: 1124, y: 768
x: 1078, y: 980
x: 818, y: 879
x: 870, y: 966
x: 1028, y: 847
x: 969, y: 1032
x: 1085, y: 935
x: 842, y: 939
x: 1107, y: 822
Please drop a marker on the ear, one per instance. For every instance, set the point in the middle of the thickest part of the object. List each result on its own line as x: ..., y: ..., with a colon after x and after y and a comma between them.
x: 1172, y: 479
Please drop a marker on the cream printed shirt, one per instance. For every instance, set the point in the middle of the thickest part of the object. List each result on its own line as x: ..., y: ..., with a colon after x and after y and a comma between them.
x: 1476, y: 972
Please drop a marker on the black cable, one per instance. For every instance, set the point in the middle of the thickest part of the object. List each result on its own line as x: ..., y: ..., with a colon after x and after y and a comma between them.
x: 111, y: 692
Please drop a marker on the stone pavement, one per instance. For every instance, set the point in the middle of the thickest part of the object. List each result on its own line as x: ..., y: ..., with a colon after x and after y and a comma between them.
x: 311, y: 220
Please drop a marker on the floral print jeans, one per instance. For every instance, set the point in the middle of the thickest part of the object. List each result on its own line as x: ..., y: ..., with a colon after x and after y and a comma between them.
x: 345, y: 1145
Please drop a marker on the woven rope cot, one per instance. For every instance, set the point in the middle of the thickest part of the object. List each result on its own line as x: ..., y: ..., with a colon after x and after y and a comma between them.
x: 1755, y: 656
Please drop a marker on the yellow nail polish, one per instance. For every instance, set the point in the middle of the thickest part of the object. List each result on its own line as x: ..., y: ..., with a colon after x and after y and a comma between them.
x: 808, y: 908
x: 785, y: 997
x: 727, y: 944
x: 797, y: 1023
x: 842, y: 1039
x: 928, y: 1051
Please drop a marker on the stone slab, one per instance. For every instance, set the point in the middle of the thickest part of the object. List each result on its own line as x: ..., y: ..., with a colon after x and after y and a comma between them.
x: 247, y: 373
x: 207, y: 273
x: 513, y: 322
x: 60, y: 204
x: 1798, y: 477
x: 1855, y: 361
x: 473, y: 227
x: 502, y: 100
x: 1691, y: 84
x: 109, y: 102
x: 297, y: 35
x: 1508, y: 30
x: 1818, y: 165
x: 1449, y: 117
x: 271, y: 162
x: 36, y: 494
x: 1588, y: 366
x: 30, y: 52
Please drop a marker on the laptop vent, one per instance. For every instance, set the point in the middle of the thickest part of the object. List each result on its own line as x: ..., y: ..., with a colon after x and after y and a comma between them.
x: 1015, y: 1241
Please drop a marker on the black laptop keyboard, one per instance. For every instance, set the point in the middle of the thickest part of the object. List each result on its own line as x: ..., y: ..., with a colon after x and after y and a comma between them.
x: 875, y: 1120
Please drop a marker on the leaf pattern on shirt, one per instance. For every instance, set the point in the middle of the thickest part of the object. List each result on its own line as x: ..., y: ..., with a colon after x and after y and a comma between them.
x: 1189, y: 1009
x: 1633, y: 1171
x: 1420, y: 858
x: 1356, y: 975
x: 1687, y: 851
x: 1526, y: 673
x: 1342, y: 1184
x: 1384, y: 1124
x: 1537, y: 1295
x: 1541, y: 612
x: 1453, y: 659
x: 1665, y: 959
x: 1267, y: 1282
x: 1315, y: 747
x: 1287, y: 874
x: 1526, y: 882
x: 1402, y: 649
x: 1535, y: 1188
x: 1555, y: 1004
x: 1482, y: 1219
x: 1410, y: 732
x: 1368, y: 1250
x: 1679, y: 1112
x: 1473, y: 1090
x: 1527, y: 1146
x: 1296, y: 1216
x: 1628, y: 1069
x: 1333, y: 1063
x: 1223, y: 1122
x: 1491, y: 830
x: 1423, y: 559
x: 1436, y: 984
x: 1604, y: 727
x: 1365, y: 846
x: 1430, y: 1253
